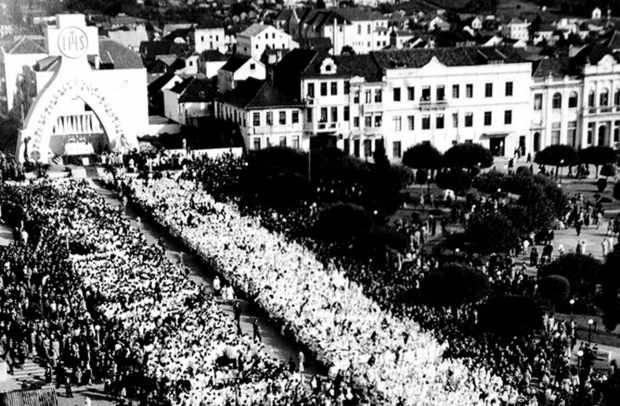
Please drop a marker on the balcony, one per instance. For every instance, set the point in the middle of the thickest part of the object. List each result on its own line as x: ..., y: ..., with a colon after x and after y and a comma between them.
x: 426, y: 105
x: 326, y: 126
x: 372, y: 108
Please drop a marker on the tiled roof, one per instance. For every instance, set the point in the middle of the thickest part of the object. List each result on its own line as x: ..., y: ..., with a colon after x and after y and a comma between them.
x: 25, y: 45
x: 284, y: 15
x: 180, y: 87
x: 556, y: 67
x: 156, y: 85
x: 253, y: 30
x: 360, y: 65
x: 213, y: 55
x: 157, y: 66
x: 234, y: 63
x: 119, y: 56
x: 258, y: 94
x: 47, y: 64
x: 132, y: 38
x: 417, y: 58
x: 608, y: 44
x: 154, y: 48
x: 182, y: 33
x: 199, y: 90
x: 516, y: 21
x: 358, y: 14
x: 210, y: 24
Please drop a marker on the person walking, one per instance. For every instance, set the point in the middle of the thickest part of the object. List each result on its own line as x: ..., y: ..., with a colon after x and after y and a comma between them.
x: 256, y: 331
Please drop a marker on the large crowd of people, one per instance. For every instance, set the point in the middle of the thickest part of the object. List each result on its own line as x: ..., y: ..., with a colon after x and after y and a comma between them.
x: 534, y: 369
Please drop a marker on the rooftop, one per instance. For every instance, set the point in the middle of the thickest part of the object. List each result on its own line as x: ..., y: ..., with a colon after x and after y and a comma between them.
x: 258, y: 94
x: 234, y: 63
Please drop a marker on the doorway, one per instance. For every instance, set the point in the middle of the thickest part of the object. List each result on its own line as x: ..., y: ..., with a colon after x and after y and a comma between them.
x: 498, y: 146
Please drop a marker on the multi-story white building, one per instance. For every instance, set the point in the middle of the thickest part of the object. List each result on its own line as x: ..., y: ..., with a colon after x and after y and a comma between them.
x: 401, y: 98
x: 362, y: 30
x: 265, y: 116
x: 237, y: 69
x: 210, y: 36
x: 517, y: 29
x: 259, y: 37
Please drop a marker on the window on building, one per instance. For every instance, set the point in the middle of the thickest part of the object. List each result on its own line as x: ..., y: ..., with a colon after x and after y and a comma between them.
x: 252, y: 66
x: 426, y: 122
x: 469, y: 119
x: 323, y: 88
x: 508, y: 117
x: 334, y: 114
x: 604, y: 97
x: 368, y: 29
x: 397, y: 149
x: 556, y: 102
x: 296, y: 142
x: 571, y: 134
x: 323, y: 115
x: 256, y: 119
x: 396, y: 91
x: 572, y: 100
x: 456, y: 90
x: 378, y: 120
x: 269, y: 118
x: 310, y: 89
x: 328, y: 68
x: 367, y: 148
x: 256, y: 143
x: 469, y: 91
x: 426, y: 93
x: 309, y: 115
x: 346, y: 113
x: 334, y: 88
x: 590, y: 137
x: 617, y: 98
x: 397, y: 123
x: 347, y: 146
x: 411, y: 93
x: 488, y: 90
x: 356, y: 148
x: 368, y: 121
x: 378, y: 96
x: 356, y: 97
x: 591, y: 98
x: 347, y: 87
x: 359, y: 29
x: 555, y: 133
x: 282, y: 142
x: 295, y: 117
x: 538, y: 101
x: 439, y: 121
x: 411, y: 123
x: 368, y: 95
x: 356, y: 122
x: 441, y: 92
x: 508, y: 88
x: 488, y: 118
x: 455, y: 120
x: 616, y: 131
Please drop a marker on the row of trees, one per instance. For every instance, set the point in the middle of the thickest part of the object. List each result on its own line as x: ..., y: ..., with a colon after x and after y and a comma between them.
x: 566, y: 156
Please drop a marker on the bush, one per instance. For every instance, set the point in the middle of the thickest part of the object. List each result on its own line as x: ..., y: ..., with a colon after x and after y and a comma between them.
x: 454, y: 179
x: 423, y: 156
x: 601, y: 184
x: 421, y: 176
x: 491, y: 181
x: 492, y: 233
x: 510, y: 316
x: 523, y: 170
x: 455, y: 284
x: 582, y: 271
x: 608, y: 170
x: 554, y: 288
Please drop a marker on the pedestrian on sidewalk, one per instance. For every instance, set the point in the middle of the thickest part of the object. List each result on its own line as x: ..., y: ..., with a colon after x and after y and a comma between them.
x: 256, y: 331
x: 68, y: 390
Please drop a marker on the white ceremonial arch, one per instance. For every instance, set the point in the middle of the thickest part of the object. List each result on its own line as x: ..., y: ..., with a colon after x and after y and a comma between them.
x: 73, y: 42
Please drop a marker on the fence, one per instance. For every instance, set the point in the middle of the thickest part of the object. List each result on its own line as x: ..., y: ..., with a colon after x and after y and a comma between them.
x: 36, y: 397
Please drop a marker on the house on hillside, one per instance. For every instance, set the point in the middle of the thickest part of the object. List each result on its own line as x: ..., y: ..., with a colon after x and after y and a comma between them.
x: 236, y: 70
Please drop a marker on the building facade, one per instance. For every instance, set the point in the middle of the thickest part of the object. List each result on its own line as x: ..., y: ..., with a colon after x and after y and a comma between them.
x: 259, y: 37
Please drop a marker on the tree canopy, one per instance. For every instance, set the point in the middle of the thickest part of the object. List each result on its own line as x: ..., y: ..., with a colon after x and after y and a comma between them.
x: 557, y: 155
x: 468, y: 155
x: 491, y: 233
x: 582, y: 271
x: 423, y: 156
x: 455, y: 284
x: 509, y: 316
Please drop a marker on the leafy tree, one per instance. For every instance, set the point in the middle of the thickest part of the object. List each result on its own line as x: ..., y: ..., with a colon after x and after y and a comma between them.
x: 582, y: 271
x: 554, y: 288
x: 539, y: 213
x: 454, y: 179
x: 423, y: 156
x: 617, y: 191
x: 492, y: 233
x: 455, y: 284
x: 598, y: 155
x: 610, y: 281
x: 608, y: 170
x: 380, y: 157
x: 601, y: 184
x: 557, y: 155
x: 467, y: 156
x: 268, y: 191
x: 510, y: 316
x: 490, y: 181
x: 421, y: 176
x: 348, y: 50
x: 9, y: 131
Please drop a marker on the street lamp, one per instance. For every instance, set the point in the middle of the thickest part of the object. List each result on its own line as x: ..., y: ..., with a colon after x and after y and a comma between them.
x: 572, y: 302
x: 97, y: 328
x: 579, y: 357
x: 561, y: 165
x: 590, y: 322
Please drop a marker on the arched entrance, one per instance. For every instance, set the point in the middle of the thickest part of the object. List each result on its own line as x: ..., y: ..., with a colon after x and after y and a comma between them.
x: 602, y: 135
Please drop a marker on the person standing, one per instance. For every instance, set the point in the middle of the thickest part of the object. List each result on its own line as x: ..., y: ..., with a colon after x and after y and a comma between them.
x: 68, y: 390
x: 534, y: 256
x: 237, y: 313
x: 256, y: 331
x: 217, y: 285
